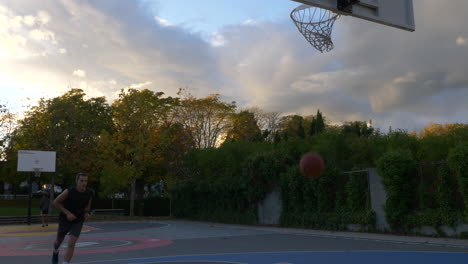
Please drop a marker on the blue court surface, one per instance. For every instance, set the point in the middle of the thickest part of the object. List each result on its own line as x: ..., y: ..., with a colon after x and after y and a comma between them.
x: 358, y: 257
x: 188, y: 242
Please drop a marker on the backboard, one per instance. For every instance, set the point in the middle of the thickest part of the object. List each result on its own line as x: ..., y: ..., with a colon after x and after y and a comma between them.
x: 33, y: 160
x: 394, y: 13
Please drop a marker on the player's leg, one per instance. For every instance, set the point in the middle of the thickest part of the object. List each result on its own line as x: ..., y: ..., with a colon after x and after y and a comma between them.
x: 46, y: 218
x: 63, y: 228
x: 57, y: 243
x: 42, y: 218
x: 70, y: 248
x: 75, y: 232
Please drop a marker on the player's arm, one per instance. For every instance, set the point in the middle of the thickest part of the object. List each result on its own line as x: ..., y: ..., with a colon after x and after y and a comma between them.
x: 88, y: 210
x: 58, y: 203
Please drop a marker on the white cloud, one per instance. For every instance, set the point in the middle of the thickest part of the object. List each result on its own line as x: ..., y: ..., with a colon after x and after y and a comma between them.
x: 79, y: 73
x: 461, y: 41
x: 249, y: 22
x: 13, y: 46
x: 29, y: 20
x: 383, y: 75
x: 139, y: 85
x: 23, y: 36
x: 43, y: 17
x: 162, y: 21
x: 15, y: 22
x: 83, y: 85
x: 217, y: 40
x: 38, y: 34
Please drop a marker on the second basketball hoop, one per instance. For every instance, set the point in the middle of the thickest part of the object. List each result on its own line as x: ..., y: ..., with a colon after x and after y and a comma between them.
x: 316, y: 25
x: 315, y: 18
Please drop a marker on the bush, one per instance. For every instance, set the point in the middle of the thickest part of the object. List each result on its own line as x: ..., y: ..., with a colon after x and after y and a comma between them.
x: 321, y: 203
x: 223, y: 200
x: 458, y: 161
x: 262, y: 173
x: 153, y: 206
x: 397, y: 170
x: 156, y: 206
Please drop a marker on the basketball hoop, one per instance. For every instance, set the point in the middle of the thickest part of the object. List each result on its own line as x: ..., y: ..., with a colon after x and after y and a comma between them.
x: 316, y: 25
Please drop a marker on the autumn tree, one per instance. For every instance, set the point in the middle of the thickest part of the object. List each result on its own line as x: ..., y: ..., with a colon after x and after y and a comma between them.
x: 268, y: 122
x: 128, y: 154
x: 435, y: 129
x: 69, y: 124
x: 206, y: 119
x: 7, y: 124
x: 172, y: 142
x: 292, y: 126
x: 244, y: 126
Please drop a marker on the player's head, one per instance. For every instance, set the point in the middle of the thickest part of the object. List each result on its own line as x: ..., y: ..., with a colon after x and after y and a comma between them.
x: 81, y: 181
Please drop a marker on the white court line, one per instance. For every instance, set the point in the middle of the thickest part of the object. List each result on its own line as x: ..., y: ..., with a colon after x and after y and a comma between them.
x: 266, y: 252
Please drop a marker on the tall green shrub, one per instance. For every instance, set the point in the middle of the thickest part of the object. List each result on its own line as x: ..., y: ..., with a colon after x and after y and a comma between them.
x: 458, y: 161
x: 396, y: 168
x: 321, y: 203
x: 357, y: 192
x: 262, y: 173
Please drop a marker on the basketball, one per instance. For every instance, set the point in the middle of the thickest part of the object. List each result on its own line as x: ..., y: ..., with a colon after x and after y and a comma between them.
x: 312, y: 165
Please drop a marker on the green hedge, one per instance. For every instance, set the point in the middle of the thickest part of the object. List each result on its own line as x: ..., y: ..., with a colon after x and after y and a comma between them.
x: 152, y: 206
x: 458, y: 161
x: 230, y: 198
x: 222, y: 200
x: 225, y: 184
x: 397, y: 169
x: 325, y: 203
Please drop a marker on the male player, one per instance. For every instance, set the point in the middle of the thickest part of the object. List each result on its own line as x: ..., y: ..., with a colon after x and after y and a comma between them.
x: 74, y: 204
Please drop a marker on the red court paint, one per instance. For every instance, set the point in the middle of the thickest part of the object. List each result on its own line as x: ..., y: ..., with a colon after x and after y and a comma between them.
x: 44, y: 247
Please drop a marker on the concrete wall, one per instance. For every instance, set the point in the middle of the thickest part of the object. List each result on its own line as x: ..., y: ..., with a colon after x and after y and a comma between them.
x: 269, y: 210
x: 378, y: 199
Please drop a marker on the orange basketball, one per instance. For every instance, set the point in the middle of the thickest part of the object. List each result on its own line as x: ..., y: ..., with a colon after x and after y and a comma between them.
x: 312, y: 165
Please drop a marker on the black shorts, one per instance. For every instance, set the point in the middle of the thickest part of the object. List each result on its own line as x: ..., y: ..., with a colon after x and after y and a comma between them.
x: 44, y: 212
x: 74, y: 228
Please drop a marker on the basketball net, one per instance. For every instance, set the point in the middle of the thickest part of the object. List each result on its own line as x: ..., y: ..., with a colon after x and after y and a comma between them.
x: 37, y: 172
x: 316, y: 25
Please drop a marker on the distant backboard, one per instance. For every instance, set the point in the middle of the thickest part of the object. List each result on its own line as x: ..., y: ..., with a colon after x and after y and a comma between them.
x: 394, y: 13
x: 31, y: 160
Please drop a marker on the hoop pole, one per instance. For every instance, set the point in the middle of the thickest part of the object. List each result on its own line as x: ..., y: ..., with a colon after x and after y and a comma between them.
x: 29, y: 200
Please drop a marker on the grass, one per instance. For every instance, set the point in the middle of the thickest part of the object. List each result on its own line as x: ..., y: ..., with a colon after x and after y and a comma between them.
x: 19, y: 207
x: 21, y: 211
x: 18, y: 211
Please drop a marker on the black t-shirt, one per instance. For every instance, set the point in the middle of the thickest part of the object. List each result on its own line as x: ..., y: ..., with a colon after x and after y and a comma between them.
x: 77, y: 202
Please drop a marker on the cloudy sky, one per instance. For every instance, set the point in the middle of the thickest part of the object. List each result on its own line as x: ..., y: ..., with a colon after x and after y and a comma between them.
x: 249, y: 51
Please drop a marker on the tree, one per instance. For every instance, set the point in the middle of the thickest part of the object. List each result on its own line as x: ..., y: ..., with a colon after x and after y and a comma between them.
x: 172, y: 142
x: 244, y: 127
x: 131, y: 148
x: 268, y: 122
x: 317, y: 124
x: 68, y: 124
x: 434, y: 129
x: 206, y: 119
x: 292, y: 126
x: 7, y: 125
x: 358, y: 128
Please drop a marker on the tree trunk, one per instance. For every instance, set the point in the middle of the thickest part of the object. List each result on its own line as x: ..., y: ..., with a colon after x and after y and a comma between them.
x: 132, y: 197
